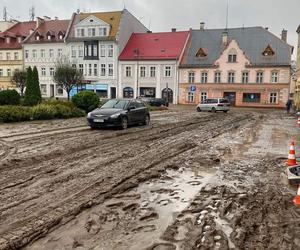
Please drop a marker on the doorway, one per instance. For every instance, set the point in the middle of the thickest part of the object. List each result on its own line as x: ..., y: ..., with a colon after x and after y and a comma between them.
x: 231, y: 96
x: 167, y: 94
x: 52, y: 90
x: 113, y: 93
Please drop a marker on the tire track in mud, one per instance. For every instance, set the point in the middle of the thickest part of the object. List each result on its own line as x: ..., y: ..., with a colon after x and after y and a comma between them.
x: 125, y: 166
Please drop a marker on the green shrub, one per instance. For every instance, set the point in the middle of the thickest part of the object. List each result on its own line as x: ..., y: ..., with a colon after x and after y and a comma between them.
x: 43, y: 112
x: 55, y: 102
x: 9, y: 97
x: 86, y: 100
x: 14, y: 113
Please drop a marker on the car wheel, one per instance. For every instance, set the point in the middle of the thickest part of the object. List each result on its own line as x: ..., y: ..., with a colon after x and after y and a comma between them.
x: 198, y: 109
x: 213, y: 110
x: 124, y: 123
x: 225, y: 111
x: 146, y: 120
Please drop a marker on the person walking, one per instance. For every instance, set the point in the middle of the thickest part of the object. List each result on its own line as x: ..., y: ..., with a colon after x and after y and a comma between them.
x: 289, y: 105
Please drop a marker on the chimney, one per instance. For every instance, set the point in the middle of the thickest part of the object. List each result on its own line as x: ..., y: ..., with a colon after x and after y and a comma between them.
x: 46, y: 18
x: 202, y: 25
x: 284, y: 35
x: 266, y: 28
x: 225, y: 38
x: 173, y: 29
x: 39, y: 21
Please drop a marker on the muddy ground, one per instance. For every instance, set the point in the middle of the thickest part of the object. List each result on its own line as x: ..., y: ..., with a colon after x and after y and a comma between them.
x: 188, y: 181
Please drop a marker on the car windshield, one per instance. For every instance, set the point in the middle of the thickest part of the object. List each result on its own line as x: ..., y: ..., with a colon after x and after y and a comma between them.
x: 224, y: 101
x: 116, y: 104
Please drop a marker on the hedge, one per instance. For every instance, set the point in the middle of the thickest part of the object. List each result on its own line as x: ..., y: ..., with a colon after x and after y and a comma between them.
x: 9, y: 97
x: 39, y: 112
x: 86, y: 100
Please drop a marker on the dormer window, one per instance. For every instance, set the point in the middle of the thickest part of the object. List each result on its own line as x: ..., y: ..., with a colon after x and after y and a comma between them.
x: 7, y: 39
x: 37, y: 38
x: 91, y: 32
x: 232, y: 56
x: 103, y: 31
x: 80, y: 32
x: 268, y: 51
x: 19, y: 39
x: 61, y: 37
x: 49, y: 37
x: 201, y: 53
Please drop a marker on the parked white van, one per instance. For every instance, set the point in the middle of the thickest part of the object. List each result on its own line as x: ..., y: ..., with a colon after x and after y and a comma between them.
x: 214, y: 105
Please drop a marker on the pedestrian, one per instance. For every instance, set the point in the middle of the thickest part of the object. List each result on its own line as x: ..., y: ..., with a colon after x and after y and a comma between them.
x: 289, y: 105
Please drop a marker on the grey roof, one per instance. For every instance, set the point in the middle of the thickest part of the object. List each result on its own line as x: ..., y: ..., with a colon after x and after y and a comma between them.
x: 253, y: 41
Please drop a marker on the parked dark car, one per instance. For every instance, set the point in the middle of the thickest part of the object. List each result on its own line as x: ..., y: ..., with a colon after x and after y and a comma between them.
x: 119, y: 113
x: 157, y: 102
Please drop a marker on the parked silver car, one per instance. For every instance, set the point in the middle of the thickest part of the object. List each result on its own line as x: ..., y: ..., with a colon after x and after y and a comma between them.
x: 214, y: 105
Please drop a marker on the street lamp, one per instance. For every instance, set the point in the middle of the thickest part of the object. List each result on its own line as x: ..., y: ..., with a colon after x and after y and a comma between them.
x: 137, y: 54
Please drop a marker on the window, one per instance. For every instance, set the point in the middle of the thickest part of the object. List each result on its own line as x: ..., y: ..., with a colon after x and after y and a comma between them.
x: 51, y: 71
x: 42, y: 53
x: 259, y: 77
x: 204, y: 77
x: 232, y: 56
x: 142, y: 71
x: 168, y: 71
x: 90, y: 69
x: 1, y: 72
x: 61, y: 37
x: 80, y: 32
x: 251, y: 97
x: 74, y: 66
x: 8, y: 72
x: 81, y: 68
x: 102, y: 50
x: 110, y: 50
x: 128, y: 71
x: 95, y: 69
x: 268, y: 51
x: 51, y: 53
x: 91, y: 32
x: 26, y: 54
x: 73, y: 52
x: 203, y: 96
x: 37, y: 38
x: 201, y: 53
x: 59, y: 89
x: 90, y: 50
x: 59, y: 52
x: 273, y: 98
x: 103, y: 69
x: 274, y: 77
x: 245, y: 77
x: 110, y: 69
x: 8, y: 56
x: 152, y: 71
x: 191, y: 97
x: 102, y: 31
x: 191, y: 78
x: 34, y: 53
x: 43, y: 88
x: 16, y: 56
x: 231, y: 77
x: 43, y: 71
x: 49, y: 37
x: 217, y: 77
x: 80, y: 51
x: 95, y: 50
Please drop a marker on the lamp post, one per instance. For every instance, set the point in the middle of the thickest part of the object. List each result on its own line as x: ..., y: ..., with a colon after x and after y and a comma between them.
x: 137, y: 54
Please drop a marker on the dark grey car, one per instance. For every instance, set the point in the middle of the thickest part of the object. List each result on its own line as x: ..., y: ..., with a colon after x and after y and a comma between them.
x: 119, y: 113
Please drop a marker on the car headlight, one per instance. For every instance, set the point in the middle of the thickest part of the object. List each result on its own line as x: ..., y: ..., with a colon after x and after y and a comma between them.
x: 115, y: 116
x: 89, y: 115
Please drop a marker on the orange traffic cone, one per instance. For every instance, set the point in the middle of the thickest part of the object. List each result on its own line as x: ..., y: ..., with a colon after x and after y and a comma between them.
x: 298, y: 121
x: 292, y: 157
x: 297, y: 197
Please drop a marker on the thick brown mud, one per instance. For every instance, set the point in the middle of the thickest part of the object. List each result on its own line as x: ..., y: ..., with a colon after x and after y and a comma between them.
x: 188, y: 181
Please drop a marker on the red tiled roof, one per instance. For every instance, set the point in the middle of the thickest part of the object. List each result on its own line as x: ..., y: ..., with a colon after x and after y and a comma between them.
x: 155, y: 46
x: 20, y: 29
x: 52, y: 26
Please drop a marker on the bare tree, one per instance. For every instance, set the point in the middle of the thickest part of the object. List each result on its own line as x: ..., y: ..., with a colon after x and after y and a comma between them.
x: 19, y: 79
x: 67, y: 76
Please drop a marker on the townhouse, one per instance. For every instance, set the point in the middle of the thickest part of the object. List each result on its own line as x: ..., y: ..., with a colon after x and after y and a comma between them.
x: 11, y: 54
x: 43, y: 49
x: 249, y: 66
x: 148, y: 65
x: 94, y: 42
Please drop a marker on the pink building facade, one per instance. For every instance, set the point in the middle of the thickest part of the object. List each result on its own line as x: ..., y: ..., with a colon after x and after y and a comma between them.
x: 257, y: 76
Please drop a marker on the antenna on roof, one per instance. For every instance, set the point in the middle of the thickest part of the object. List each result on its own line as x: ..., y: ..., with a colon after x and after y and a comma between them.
x: 5, y: 14
x: 32, y: 13
x: 227, y: 14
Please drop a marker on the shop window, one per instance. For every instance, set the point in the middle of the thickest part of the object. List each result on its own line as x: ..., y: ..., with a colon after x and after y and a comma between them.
x: 128, y: 92
x: 251, y: 97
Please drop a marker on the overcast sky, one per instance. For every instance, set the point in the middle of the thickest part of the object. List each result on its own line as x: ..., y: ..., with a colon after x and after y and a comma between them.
x: 162, y: 15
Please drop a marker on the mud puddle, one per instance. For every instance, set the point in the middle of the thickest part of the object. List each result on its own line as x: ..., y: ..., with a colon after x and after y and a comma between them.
x: 132, y: 220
